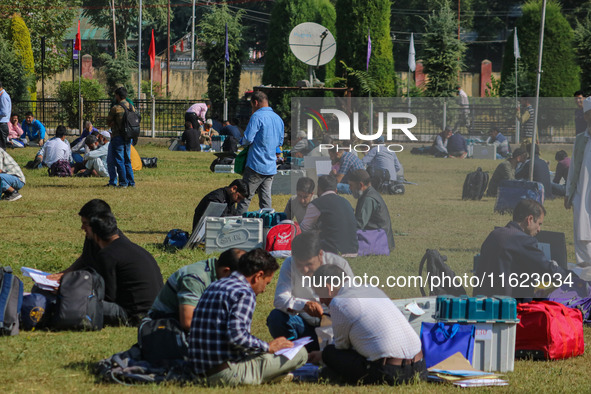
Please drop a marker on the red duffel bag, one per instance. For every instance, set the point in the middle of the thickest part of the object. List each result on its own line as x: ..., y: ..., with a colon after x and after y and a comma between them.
x: 548, y: 330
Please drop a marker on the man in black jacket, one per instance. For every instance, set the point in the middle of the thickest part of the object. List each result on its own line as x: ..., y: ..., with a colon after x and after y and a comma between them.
x: 510, y: 261
x: 229, y: 195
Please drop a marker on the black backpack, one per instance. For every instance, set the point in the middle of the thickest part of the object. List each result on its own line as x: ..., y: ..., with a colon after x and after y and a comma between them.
x: 131, y: 125
x: 79, y: 301
x: 162, y: 340
x: 11, y: 300
x: 475, y: 185
x: 436, y: 266
x: 380, y: 179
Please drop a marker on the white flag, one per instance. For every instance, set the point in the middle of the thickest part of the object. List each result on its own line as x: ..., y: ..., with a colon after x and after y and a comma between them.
x: 411, y: 54
x: 516, y: 46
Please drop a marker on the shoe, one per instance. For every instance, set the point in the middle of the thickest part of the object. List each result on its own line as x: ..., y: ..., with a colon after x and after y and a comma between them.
x: 110, y: 185
x: 122, y: 186
x: 13, y: 196
x: 287, y: 378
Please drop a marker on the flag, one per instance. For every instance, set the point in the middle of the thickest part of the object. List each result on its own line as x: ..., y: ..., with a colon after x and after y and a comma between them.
x: 227, y: 51
x: 368, y: 50
x: 516, y: 53
x: 78, y: 43
x: 411, y: 54
x: 152, y: 51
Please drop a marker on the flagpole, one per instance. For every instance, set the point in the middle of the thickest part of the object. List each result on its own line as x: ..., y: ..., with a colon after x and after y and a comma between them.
x: 537, y: 109
x: 516, y: 82
x: 226, y: 60
x: 139, y: 58
x: 79, y: 75
x: 367, y: 70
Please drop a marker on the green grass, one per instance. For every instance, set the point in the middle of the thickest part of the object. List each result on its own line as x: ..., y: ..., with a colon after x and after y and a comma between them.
x: 42, y: 230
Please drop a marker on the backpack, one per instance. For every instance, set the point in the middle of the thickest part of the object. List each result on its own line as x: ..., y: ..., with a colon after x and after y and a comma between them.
x: 436, y: 266
x: 475, y: 185
x: 162, y: 340
x: 131, y: 125
x: 33, y: 310
x: 221, y: 160
x: 11, y: 300
x: 149, y: 162
x: 176, y: 238
x: 279, y: 237
x: 79, y: 301
x: 60, y: 168
x: 380, y: 179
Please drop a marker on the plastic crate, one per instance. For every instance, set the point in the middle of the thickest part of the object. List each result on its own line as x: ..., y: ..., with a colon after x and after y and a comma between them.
x: 476, y: 309
x: 284, y: 182
x: 224, y: 168
x: 269, y: 216
x: 427, y: 304
x: 232, y: 232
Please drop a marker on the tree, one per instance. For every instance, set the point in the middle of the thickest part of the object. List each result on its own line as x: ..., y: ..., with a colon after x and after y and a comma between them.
x: 118, y: 71
x: 212, y: 31
x: 15, y: 78
x: 21, y: 41
x: 67, y: 92
x: 443, y: 53
x: 354, y: 19
x: 45, y: 19
x: 561, y: 76
x: 583, y: 48
x: 126, y: 17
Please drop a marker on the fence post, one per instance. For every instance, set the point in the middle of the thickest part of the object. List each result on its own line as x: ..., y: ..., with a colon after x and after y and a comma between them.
x: 153, y: 117
x: 81, y: 116
x: 444, y: 114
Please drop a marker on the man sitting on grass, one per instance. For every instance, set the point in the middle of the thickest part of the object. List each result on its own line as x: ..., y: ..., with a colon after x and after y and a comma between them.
x: 296, y: 206
x: 297, y: 309
x: 182, y: 291
x: 505, y: 171
x: 371, y: 211
x: 229, y: 195
x: 373, y: 341
x: 12, y: 178
x: 222, y: 351
x: 56, y: 149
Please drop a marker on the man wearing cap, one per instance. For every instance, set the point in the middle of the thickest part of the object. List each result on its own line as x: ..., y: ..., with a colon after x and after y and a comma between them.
x: 578, y: 188
x: 301, y: 146
x: 380, y: 158
x: 505, y: 171
x: 96, y: 159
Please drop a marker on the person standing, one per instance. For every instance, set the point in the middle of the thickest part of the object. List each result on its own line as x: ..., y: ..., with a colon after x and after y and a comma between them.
x: 578, y: 188
x: 526, y: 119
x: 5, y: 112
x: 196, y: 114
x: 580, y: 123
x: 264, y: 133
x: 118, y: 159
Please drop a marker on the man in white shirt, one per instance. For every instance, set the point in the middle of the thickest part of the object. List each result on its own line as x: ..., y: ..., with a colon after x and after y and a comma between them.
x: 55, y: 149
x: 297, y: 308
x: 373, y: 341
x: 96, y: 159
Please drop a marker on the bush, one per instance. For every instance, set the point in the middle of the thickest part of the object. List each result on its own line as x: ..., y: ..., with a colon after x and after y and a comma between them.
x: 118, y: 72
x: 67, y: 93
x: 21, y: 40
x: 15, y: 79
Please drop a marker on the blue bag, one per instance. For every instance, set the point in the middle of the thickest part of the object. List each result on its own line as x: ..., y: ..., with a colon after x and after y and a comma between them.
x: 33, y: 310
x: 442, y: 340
x: 512, y: 191
x: 176, y: 238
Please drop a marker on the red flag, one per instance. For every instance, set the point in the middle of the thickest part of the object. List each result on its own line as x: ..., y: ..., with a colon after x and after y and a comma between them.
x: 182, y: 46
x: 78, y: 43
x: 152, y: 51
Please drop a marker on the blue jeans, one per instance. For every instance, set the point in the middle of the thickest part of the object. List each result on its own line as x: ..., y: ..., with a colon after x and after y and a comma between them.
x: 119, y: 162
x: 289, y: 326
x: 7, y: 181
x: 343, y: 188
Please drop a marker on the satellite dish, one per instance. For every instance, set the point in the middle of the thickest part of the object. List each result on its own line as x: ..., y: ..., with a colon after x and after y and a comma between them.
x: 312, y: 44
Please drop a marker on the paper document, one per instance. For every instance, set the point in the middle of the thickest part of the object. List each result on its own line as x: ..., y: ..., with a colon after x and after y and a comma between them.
x: 481, y: 382
x: 40, y: 278
x: 298, y: 344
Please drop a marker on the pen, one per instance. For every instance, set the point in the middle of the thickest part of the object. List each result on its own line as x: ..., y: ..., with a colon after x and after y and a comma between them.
x: 290, y: 338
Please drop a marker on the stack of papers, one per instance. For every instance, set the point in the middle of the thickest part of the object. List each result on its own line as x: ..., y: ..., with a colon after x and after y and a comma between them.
x: 40, y: 279
x: 291, y: 352
x: 457, y: 370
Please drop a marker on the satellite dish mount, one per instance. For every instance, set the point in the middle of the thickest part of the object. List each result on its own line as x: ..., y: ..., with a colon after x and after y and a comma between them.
x: 313, y: 44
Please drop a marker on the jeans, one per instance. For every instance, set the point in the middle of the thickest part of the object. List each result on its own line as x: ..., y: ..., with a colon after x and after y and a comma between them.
x: 7, y: 181
x: 3, y: 135
x: 119, y: 162
x: 353, y: 368
x: 114, y: 314
x: 282, y: 324
x: 558, y: 189
x: 257, y: 183
x: 343, y: 188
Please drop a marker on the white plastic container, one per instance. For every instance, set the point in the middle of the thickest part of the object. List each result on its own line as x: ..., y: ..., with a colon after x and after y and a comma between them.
x: 481, y: 151
x: 233, y: 232
x: 224, y: 168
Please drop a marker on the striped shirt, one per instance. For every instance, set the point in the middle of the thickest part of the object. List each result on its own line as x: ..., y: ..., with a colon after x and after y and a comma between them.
x: 220, y: 330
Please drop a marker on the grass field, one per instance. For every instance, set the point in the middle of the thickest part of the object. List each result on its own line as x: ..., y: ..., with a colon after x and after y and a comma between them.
x: 42, y: 230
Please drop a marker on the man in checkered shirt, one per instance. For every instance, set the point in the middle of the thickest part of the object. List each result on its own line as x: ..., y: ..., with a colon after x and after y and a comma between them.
x: 347, y: 162
x: 222, y: 350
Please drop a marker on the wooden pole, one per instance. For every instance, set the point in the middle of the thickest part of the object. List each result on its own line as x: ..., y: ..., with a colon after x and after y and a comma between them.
x: 114, y: 28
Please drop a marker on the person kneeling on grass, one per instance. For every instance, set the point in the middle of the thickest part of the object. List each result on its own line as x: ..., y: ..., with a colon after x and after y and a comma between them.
x: 222, y: 351
x: 373, y: 341
x: 12, y: 178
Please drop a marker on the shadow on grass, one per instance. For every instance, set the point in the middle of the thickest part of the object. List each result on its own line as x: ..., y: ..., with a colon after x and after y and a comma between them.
x: 69, y: 186
x: 145, y: 232
x: 164, y: 248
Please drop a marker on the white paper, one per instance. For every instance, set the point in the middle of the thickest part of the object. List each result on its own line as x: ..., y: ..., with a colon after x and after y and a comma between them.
x: 40, y: 278
x: 291, y: 352
x: 481, y: 382
x: 323, y: 167
x: 415, y: 309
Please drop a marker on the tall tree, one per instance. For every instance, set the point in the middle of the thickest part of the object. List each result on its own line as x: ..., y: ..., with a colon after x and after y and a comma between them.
x: 212, y: 31
x: 561, y: 76
x: 443, y: 52
x: 21, y: 41
x: 15, y: 78
x: 46, y: 19
x: 355, y: 18
x: 126, y: 16
x: 583, y: 48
